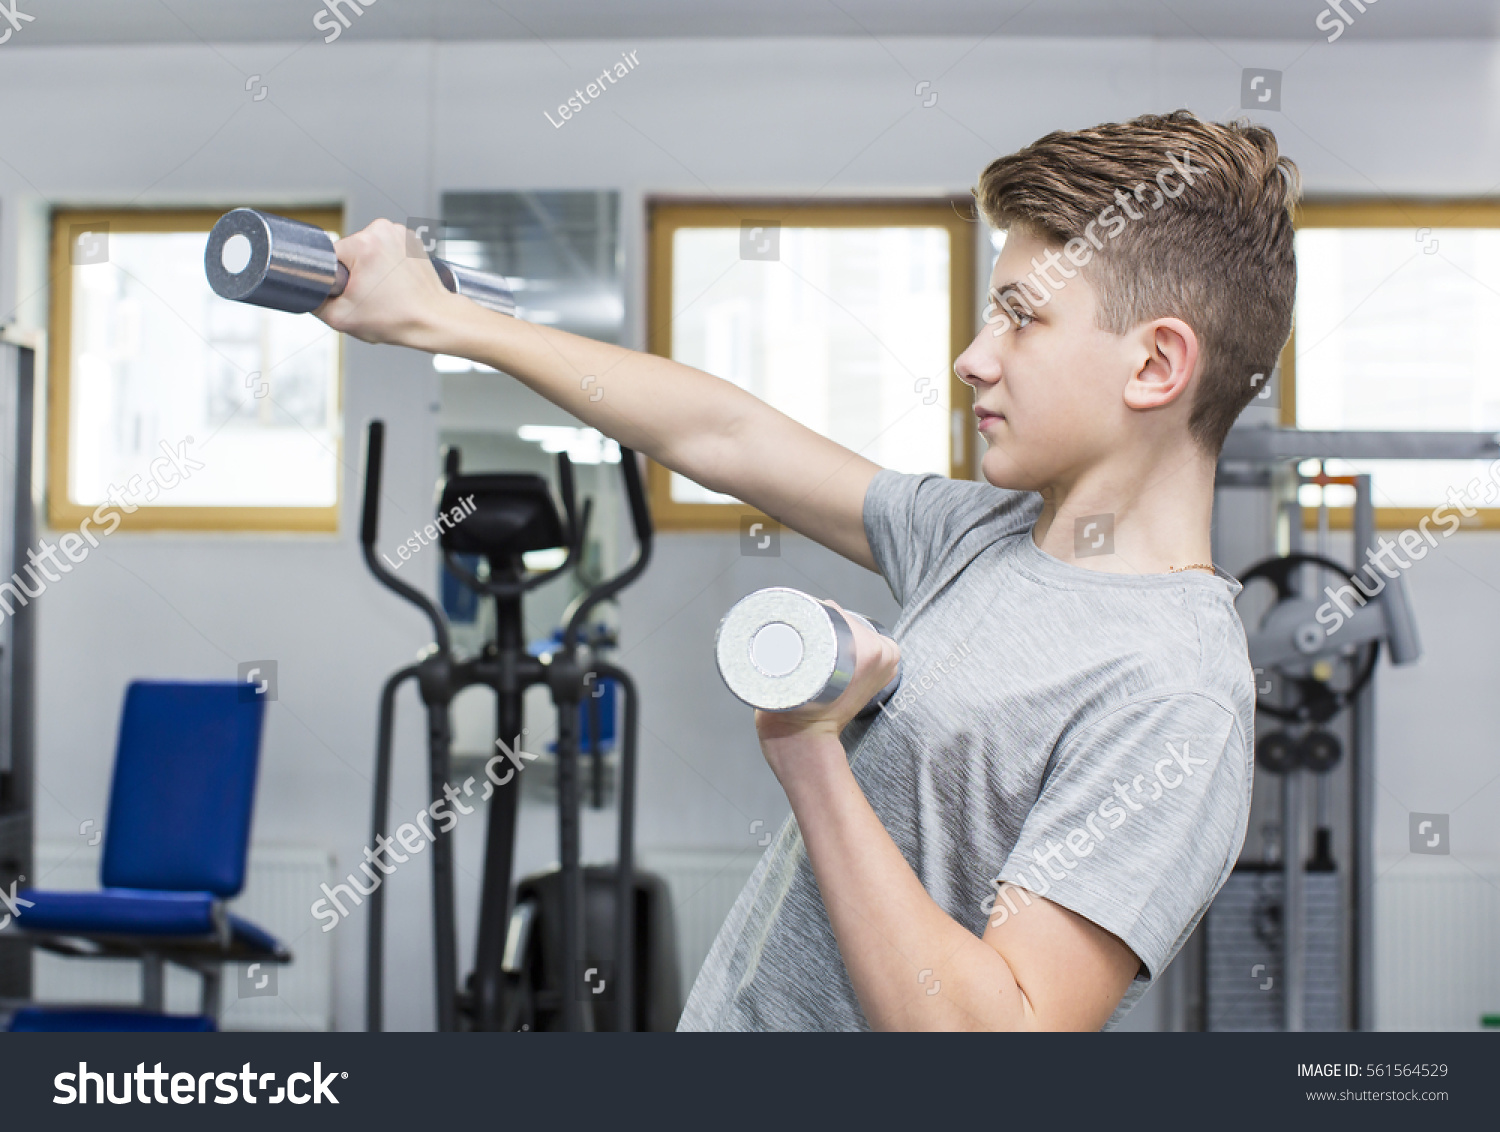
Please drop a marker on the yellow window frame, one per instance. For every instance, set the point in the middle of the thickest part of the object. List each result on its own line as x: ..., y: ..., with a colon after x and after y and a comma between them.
x: 1412, y: 214
x: 665, y: 216
x: 62, y: 512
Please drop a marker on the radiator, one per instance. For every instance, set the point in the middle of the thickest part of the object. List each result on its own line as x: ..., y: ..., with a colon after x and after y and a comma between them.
x: 1437, y: 944
x: 275, y: 897
x: 703, y: 884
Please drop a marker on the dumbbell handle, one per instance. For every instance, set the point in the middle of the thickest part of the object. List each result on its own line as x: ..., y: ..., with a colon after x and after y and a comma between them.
x: 489, y: 291
x: 878, y: 700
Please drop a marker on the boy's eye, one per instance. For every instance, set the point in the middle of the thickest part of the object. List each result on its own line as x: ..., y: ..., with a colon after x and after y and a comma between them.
x: 1012, y: 312
x: 1019, y: 317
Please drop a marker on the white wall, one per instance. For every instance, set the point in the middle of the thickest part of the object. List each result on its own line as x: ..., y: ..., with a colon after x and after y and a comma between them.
x: 387, y: 127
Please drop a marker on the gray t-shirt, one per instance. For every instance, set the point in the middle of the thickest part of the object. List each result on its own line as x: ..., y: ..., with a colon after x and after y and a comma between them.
x: 1082, y: 735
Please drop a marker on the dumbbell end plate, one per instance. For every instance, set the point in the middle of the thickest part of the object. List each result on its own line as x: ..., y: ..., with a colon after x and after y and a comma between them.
x: 291, y: 265
x: 821, y: 669
x: 241, y: 284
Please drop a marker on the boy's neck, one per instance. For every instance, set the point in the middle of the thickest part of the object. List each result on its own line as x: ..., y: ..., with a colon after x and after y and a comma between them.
x: 1155, y: 518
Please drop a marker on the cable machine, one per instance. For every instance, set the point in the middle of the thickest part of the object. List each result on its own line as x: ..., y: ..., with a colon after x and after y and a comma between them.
x: 1288, y: 943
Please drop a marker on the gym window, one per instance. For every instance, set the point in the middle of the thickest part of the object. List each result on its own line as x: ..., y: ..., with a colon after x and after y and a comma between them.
x: 173, y: 408
x: 847, y: 317
x: 1397, y: 305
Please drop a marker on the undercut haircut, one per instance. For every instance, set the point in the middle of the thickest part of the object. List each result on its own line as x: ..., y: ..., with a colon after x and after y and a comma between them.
x: 1216, y: 253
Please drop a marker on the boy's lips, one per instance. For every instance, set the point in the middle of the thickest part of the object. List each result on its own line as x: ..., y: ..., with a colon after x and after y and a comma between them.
x: 987, y: 417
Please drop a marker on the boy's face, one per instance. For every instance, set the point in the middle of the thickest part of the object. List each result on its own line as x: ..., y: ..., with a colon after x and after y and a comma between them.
x: 1052, y: 379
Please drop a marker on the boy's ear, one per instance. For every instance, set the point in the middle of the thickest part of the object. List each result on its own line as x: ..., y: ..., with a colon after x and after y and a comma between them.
x: 1170, y: 357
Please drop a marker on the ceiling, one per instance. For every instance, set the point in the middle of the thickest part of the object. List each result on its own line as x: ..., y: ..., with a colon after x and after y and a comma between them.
x: 186, y: 21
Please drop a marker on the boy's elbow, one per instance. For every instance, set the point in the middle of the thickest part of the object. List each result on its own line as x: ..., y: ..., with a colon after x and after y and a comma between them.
x: 984, y: 1008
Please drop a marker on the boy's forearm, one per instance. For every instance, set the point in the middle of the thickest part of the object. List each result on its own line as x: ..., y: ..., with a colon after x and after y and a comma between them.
x: 913, y: 966
x: 677, y: 415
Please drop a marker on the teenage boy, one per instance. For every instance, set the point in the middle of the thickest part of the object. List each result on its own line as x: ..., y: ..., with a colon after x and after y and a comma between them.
x: 1027, y: 835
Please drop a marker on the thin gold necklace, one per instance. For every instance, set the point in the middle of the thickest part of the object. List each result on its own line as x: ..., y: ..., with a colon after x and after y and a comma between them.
x: 1194, y: 566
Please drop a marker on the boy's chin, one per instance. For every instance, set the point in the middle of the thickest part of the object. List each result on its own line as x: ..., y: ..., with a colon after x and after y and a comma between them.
x: 1001, y: 470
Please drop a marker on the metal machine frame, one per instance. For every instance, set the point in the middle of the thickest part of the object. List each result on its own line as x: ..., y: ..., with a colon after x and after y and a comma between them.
x: 1257, y: 458
x: 18, y: 369
x: 507, y: 667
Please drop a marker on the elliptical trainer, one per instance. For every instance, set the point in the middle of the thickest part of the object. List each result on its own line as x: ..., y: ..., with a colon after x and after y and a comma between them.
x: 513, y: 513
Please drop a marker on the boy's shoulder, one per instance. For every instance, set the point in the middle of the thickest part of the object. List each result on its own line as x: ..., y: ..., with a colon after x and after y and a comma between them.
x: 919, y: 525
x: 960, y: 559
x: 938, y: 503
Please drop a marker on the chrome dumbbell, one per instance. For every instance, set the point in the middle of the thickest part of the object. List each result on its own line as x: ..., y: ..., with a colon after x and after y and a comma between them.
x: 779, y: 649
x: 273, y: 261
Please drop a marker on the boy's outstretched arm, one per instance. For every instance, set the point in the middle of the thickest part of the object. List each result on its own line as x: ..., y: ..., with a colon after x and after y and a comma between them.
x: 708, y: 429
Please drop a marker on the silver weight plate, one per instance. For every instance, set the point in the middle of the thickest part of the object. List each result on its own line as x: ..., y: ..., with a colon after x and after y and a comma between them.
x: 779, y: 649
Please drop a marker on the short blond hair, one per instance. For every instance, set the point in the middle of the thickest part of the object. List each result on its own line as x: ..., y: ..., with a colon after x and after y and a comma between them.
x: 1218, y: 254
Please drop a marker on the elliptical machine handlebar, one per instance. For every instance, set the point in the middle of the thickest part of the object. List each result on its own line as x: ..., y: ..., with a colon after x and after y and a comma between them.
x: 640, y: 521
x: 370, y: 528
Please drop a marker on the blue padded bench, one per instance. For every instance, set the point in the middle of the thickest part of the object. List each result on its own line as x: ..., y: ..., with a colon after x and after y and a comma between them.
x: 42, y: 1020
x: 175, y: 845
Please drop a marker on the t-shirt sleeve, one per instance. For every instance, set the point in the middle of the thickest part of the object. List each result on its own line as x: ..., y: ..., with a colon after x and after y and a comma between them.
x: 911, y: 521
x: 1139, y: 820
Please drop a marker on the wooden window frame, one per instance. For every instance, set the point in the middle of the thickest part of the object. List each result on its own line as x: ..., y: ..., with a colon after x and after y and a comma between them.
x: 666, y: 215
x: 1413, y: 215
x: 62, y: 512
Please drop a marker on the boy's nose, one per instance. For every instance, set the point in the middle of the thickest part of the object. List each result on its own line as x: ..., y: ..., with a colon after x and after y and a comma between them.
x: 966, y: 372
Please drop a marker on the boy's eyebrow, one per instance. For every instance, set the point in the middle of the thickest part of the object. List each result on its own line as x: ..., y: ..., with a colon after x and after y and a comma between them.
x: 1017, y: 287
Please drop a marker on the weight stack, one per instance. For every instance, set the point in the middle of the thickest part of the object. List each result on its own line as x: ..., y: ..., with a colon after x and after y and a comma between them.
x: 1243, y: 962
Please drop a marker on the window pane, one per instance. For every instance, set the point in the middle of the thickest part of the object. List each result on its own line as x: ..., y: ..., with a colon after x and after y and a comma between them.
x: 157, y: 358
x: 1394, y: 336
x: 846, y: 332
